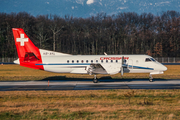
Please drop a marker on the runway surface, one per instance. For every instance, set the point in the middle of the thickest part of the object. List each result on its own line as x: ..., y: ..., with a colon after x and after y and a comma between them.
x: 89, y: 85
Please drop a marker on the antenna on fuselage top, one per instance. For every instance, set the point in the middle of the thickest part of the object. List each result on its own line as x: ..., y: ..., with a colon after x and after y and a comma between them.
x: 105, y: 53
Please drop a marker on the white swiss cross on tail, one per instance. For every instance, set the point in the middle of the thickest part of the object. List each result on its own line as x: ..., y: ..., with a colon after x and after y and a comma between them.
x: 22, y: 40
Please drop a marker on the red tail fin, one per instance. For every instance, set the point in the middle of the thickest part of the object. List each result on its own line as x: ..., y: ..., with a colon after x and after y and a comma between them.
x: 29, y: 55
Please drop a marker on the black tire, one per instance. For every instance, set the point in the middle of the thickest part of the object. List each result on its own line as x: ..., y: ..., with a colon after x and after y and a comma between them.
x: 150, y: 80
x: 95, y: 81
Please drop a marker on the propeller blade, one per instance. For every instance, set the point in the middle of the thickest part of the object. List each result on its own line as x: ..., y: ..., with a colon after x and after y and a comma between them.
x: 122, y: 69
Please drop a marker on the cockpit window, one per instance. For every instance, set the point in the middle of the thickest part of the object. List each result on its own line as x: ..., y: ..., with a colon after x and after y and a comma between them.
x: 147, y: 60
x: 153, y: 59
x: 150, y: 59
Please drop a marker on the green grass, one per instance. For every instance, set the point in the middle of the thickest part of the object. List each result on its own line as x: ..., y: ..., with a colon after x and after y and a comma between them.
x: 16, y: 72
x: 92, y: 104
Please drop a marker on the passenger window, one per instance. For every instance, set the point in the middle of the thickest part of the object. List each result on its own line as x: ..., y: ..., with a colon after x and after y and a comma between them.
x: 97, y: 61
x: 67, y: 61
x: 72, y: 61
x: 148, y: 60
x: 77, y: 61
x: 111, y: 60
x: 116, y: 60
x: 106, y: 61
x: 86, y: 61
x: 82, y: 61
x: 101, y: 61
x: 91, y: 61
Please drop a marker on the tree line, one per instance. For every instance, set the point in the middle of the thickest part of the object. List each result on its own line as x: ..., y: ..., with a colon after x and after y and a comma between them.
x: 123, y: 33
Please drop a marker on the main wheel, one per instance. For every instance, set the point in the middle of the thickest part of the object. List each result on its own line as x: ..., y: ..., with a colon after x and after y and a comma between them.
x: 150, y: 80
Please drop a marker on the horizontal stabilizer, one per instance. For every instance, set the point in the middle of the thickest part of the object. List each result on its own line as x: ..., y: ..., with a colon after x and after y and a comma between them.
x: 17, y: 61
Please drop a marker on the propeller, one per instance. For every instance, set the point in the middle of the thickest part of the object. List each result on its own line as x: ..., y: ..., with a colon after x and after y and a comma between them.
x: 122, y: 69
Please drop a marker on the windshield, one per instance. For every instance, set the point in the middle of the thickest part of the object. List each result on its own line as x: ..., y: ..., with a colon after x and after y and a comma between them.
x: 153, y: 59
x: 150, y: 59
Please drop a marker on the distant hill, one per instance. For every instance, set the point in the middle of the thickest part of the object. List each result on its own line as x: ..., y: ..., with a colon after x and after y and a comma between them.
x: 87, y: 8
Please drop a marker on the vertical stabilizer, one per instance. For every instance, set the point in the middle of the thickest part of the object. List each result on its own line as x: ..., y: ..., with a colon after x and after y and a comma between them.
x: 29, y: 55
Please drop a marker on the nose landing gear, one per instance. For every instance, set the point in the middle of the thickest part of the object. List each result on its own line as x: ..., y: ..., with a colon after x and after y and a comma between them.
x: 150, y: 78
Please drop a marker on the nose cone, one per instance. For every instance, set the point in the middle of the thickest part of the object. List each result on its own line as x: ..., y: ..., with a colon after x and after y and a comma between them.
x: 164, y: 68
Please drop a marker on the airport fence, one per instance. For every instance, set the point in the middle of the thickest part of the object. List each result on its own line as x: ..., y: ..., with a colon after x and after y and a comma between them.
x: 168, y: 59
x: 7, y: 60
x: 159, y: 59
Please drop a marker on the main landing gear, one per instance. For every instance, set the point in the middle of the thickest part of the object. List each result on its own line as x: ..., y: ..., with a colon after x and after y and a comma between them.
x: 95, y: 80
x: 150, y: 78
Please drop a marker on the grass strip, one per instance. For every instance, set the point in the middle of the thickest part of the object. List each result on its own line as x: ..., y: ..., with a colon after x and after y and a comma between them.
x: 92, y: 104
x: 16, y: 72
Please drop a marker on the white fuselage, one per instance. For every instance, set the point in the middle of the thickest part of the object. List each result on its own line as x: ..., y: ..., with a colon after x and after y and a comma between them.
x: 111, y: 63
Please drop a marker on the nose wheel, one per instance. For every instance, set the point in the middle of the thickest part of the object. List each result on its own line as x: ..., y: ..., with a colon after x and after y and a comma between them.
x: 150, y: 78
x: 95, y: 80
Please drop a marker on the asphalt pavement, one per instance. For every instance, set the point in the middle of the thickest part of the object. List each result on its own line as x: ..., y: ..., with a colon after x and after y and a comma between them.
x: 89, y: 85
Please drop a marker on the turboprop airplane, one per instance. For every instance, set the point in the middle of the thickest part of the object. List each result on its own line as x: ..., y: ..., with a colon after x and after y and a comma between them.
x: 33, y: 57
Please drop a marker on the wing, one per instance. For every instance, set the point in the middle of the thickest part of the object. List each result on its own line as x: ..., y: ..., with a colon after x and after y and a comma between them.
x: 112, y: 68
x: 104, y: 68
